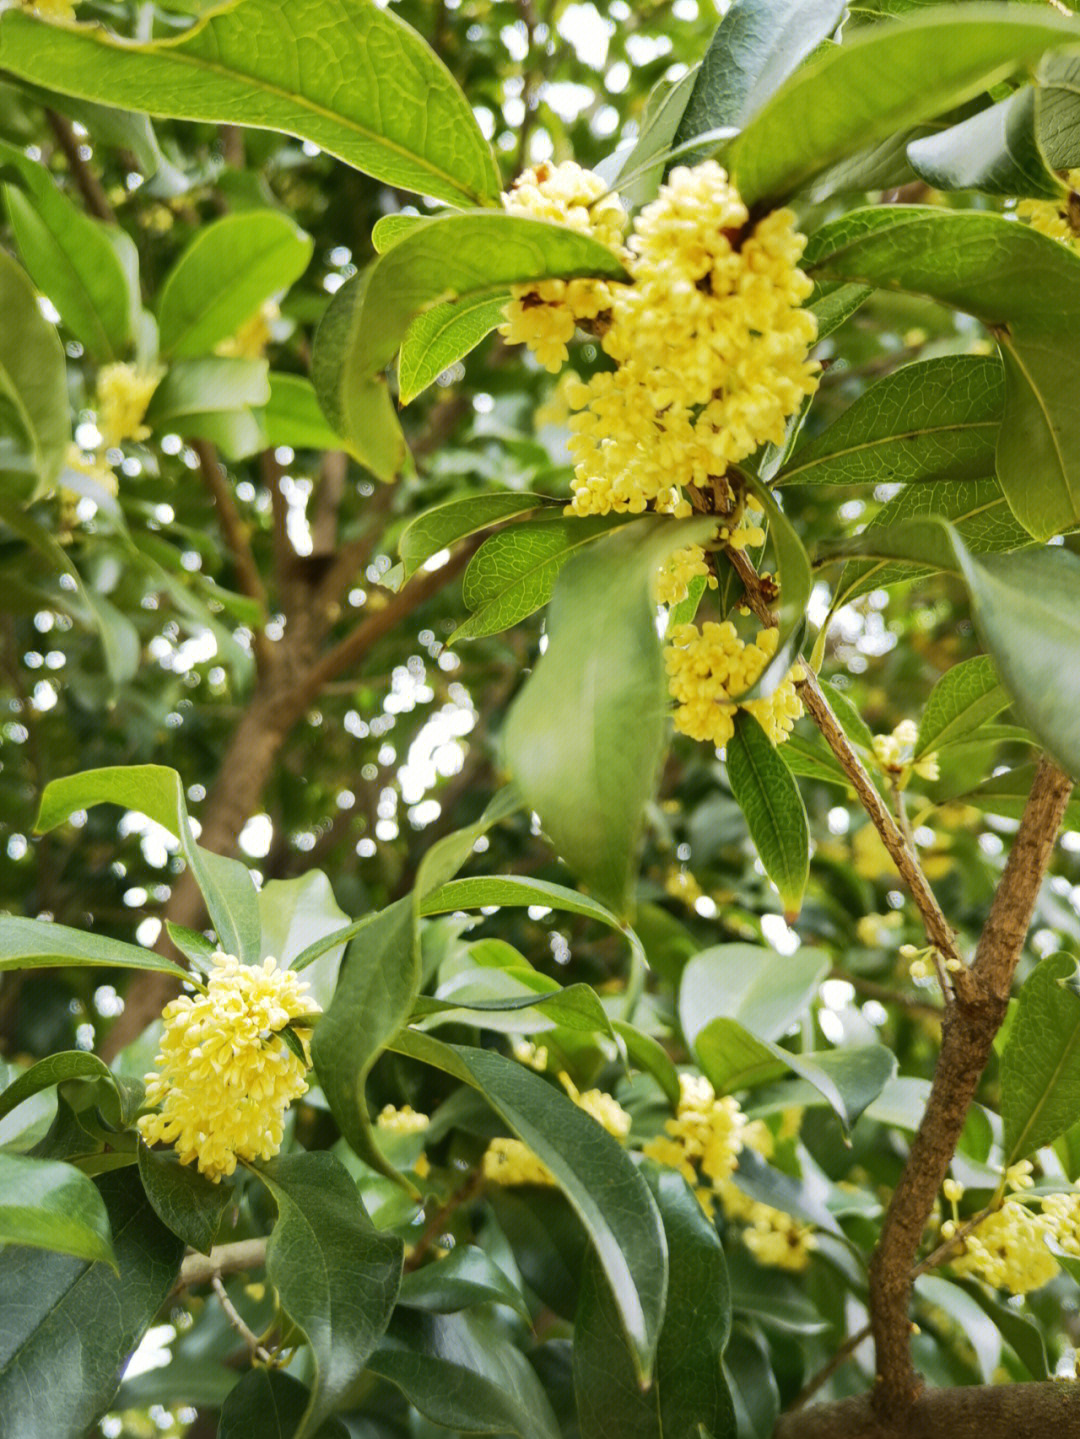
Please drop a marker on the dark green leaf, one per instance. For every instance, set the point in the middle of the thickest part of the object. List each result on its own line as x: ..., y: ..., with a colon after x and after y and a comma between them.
x: 935, y: 419
x: 336, y: 1275
x: 70, y: 1326
x: 749, y: 1373
x: 440, y: 337
x: 647, y: 1054
x: 403, y: 120
x: 71, y: 1064
x: 467, y: 1276
x: 796, y: 581
x: 833, y: 303
x: 40, y: 944
x: 688, y: 1391
x: 567, y: 744
x: 1040, y: 1066
x: 996, y: 151
x: 591, y: 1168
x: 48, y: 1205
x: 269, y: 1404
x: 964, y: 698
x: 1021, y: 1333
x: 435, y: 529
x: 184, y: 1200
x: 766, y: 792
x: 514, y: 1002
x: 850, y: 95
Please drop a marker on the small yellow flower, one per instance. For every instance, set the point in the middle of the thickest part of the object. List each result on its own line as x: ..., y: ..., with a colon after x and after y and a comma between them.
x: 1008, y: 1250
x: 1060, y: 219
x: 123, y: 395
x: 706, y: 665
x: 226, y: 1075
x: 401, y: 1121
x: 252, y: 337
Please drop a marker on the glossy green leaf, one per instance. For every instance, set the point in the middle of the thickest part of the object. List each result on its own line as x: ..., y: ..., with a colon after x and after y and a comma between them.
x: 1023, y: 285
x: 465, y: 1277
x: 765, y: 991
x: 833, y: 304
x: 961, y: 1310
x: 1058, y: 114
x: 296, y: 913
x: 1021, y: 1333
x: 769, y: 798
x: 688, y: 1392
x: 762, y: 1182
x: 48, y: 1205
x: 353, y: 79
x: 436, y: 529
x: 749, y: 1373
x: 850, y: 95
x: 337, y: 1276
x: 70, y: 1064
x: 214, y: 399
x: 513, y: 573
x: 932, y: 420
x: 996, y: 151
x: 513, y: 1002
x: 593, y: 1171
x: 754, y: 49
x: 650, y: 1056
x: 637, y: 173
x: 1040, y: 1065
x: 73, y: 259
x: 293, y: 417
x: 566, y: 742
x: 377, y: 985
x: 40, y: 944
x: 270, y: 1404
x: 185, y: 1201
x: 964, y: 698
x: 1006, y: 794
x: 463, y: 1374
x: 70, y: 1326
x: 513, y: 891
x: 808, y: 755
x: 454, y: 256
x: 158, y: 793
x: 440, y: 337
x: 227, y: 271
x: 34, y: 422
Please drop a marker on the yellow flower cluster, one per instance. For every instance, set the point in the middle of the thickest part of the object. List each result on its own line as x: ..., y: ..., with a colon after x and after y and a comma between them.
x: 544, y: 315
x: 772, y: 1237
x: 1060, y: 219
x: 401, y: 1121
x: 895, y: 754
x: 227, y: 1077
x: 681, y: 884
x: 123, y: 395
x: 710, y: 348
x: 673, y: 579
x: 252, y: 337
x: 63, y: 10
x: 1008, y: 1249
x: 510, y: 1161
x: 705, y: 666
x: 705, y: 1134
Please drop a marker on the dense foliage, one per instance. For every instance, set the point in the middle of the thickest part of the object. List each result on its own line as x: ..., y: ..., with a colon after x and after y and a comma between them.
x: 540, y: 674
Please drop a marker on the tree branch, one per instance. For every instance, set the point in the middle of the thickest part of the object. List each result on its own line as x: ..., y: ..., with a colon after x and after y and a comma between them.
x: 235, y: 532
x: 223, y: 1259
x: 90, y: 187
x: 977, y: 1411
x: 968, y: 1031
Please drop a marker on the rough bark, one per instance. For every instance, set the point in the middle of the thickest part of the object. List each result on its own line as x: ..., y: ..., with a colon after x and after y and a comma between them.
x: 1049, y: 1410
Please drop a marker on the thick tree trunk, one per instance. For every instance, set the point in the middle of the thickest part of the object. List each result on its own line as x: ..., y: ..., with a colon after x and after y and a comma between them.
x: 1049, y: 1410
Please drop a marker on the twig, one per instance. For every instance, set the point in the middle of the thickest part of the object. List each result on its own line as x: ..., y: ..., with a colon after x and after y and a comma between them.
x: 90, y: 187
x: 826, y: 1372
x: 948, y: 1247
x: 234, y: 1318
x: 235, y: 532
x: 968, y: 1031
x: 436, y: 1225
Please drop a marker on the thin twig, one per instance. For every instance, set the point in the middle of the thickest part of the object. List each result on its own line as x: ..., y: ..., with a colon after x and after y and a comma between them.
x: 234, y: 1318
x: 90, y: 187
x: 826, y: 1372
x: 436, y: 1225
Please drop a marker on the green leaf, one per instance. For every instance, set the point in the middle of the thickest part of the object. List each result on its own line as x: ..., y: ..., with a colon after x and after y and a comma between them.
x: 436, y: 529
x: 647, y: 1054
x: 593, y: 1171
x: 796, y: 582
x: 850, y: 95
x: 451, y: 257
x: 355, y: 80
x: 158, y: 793
x: 1040, y: 1065
x: 756, y: 46
x: 849, y: 1079
x: 465, y: 1277
x: 1006, y: 794
x: 440, y: 337
x: 270, y: 1404
x: 766, y: 792
x: 292, y: 416
x: 851, y: 721
x: 462, y: 1373
x: 808, y: 755
x: 70, y: 1064
x: 513, y: 573
x: 576, y: 761
x: 74, y: 260
x: 512, y: 891
x: 40, y: 944
x: 935, y: 419
x: 688, y: 1392
x: 513, y: 1002
x: 637, y: 174
x: 965, y: 1317
x: 1058, y: 114
x: 214, y: 399
x: 296, y: 913
x: 1021, y: 1334
x: 377, y: 986
x: 965, y: 697
x: 34, y: 420
x: 227, y: 271
x: 70, y: 1326
x: 833, y: 303
x: 337, y: 1276
x: 749, y: 1372
x: 185, y: 1201
x: 766, y: 992
x: 48, y: 1205
x: 996, y: 151
x: 1026, y: 288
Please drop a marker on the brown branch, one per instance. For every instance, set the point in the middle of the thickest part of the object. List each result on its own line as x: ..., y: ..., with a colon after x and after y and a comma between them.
x: 1019, y: 1411
x: 968, y: 1031
x: 235, y: 1258
x: 436, y: 1225
x: 826, y: 1372
x: 323, y: 520
x: 90, y: 187
x: 236, y: 534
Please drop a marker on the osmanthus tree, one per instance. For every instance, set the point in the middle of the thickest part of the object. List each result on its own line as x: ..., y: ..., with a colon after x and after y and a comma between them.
x: 783, y: 1143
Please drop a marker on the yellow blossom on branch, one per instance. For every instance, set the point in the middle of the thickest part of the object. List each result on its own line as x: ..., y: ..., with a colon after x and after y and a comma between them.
x: 1060, y: 219
x: 706, y: 666
x: 123, y: 396
x: 226, y: 1075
